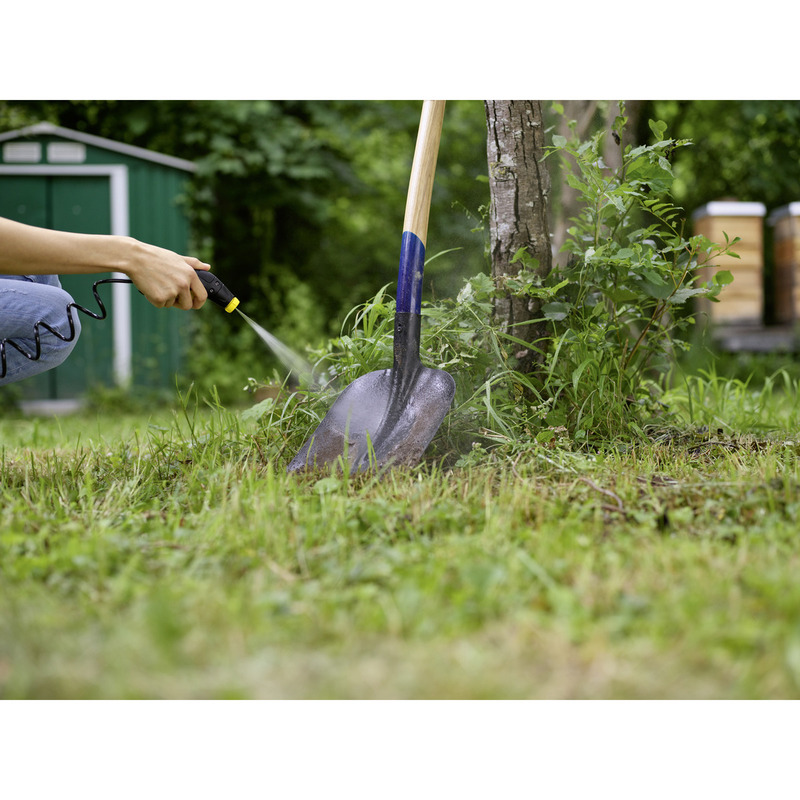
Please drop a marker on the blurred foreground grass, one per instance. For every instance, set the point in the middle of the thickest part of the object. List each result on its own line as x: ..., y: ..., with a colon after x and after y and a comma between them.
x: 141, y: 559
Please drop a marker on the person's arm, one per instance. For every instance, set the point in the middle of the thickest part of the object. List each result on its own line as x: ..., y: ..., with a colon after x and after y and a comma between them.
x: 165, y: 278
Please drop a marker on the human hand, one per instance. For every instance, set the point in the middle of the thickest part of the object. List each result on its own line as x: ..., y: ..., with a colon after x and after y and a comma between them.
x: 166, y: 279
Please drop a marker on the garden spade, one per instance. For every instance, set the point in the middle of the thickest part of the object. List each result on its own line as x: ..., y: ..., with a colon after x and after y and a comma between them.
x: 388, y: 417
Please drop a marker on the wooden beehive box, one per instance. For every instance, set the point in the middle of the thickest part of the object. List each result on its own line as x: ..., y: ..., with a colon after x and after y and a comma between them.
x: 785, y: 222
x: 741, y: 302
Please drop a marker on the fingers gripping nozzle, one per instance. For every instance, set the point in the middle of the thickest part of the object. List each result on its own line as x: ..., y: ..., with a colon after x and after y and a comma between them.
x: 217, y: 291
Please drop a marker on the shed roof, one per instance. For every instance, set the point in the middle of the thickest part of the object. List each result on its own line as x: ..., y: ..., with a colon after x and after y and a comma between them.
x: 48, y: 129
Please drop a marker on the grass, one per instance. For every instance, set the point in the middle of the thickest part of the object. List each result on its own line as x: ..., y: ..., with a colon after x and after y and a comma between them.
x: 172, y: 557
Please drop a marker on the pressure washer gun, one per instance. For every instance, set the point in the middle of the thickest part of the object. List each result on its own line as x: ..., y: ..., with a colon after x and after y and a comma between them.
x: 217, y: 291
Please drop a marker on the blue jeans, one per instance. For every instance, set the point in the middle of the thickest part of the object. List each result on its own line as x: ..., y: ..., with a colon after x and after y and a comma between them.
x: 25, y: 300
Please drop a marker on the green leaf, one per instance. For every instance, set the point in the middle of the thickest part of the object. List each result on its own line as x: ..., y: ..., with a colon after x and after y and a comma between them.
x: 528, y: 261
x: 621, y: 295
x: 723, y: 277
x: 559, y: 286
x: 637, y: 151
x: 653, y: 277
x: 576, y: 375
x: 683, y: 294
x: 657, y: 175
x: 659, y: 128
x: 660, y: 291
x: 576, y: 184
x: 556, y: 311
x: 258, y: 410
x: 617, y: 202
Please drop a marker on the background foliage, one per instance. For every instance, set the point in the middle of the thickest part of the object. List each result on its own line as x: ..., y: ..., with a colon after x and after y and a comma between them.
x: 742, y: 149
x: 299, y: 198
x: 299, y: 204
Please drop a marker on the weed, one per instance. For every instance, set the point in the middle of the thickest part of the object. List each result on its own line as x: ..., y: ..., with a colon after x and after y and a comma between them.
x: 624, y: 297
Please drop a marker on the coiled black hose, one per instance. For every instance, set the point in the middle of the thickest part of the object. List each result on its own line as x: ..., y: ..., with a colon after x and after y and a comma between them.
x: 42, y: 324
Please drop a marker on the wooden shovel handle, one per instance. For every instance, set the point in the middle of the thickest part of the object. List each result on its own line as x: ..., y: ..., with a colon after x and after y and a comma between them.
x: 420, y: 187
x: 418, y: 206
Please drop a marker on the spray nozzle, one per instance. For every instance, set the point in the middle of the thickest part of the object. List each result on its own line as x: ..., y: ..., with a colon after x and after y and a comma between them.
x: 218, y: 292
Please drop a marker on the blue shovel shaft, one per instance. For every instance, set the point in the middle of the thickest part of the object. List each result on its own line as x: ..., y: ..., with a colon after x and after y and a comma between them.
x: 409, y: 302
x: 407, y: 317
x: 409, y: 280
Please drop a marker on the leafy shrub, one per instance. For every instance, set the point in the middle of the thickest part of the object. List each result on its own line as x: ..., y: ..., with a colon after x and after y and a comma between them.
x: 624, y: 299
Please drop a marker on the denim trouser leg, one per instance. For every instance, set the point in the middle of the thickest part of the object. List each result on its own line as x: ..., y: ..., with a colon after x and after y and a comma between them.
x: 24, y: 300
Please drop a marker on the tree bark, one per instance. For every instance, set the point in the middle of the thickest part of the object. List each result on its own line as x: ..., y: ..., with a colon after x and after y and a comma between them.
x: 520, y: 186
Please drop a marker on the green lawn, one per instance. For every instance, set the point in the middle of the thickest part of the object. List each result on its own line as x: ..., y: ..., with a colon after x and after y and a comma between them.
x: 155, y: 558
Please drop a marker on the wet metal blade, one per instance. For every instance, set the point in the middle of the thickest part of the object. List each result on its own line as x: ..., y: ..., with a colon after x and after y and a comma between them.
x: 380, y: 420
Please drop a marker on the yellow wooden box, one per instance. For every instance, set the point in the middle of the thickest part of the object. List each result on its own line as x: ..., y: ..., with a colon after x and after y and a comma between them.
x: 741, y: 302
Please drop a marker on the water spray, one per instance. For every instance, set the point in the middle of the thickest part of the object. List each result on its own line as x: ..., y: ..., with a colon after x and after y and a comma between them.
x: 223, y: 296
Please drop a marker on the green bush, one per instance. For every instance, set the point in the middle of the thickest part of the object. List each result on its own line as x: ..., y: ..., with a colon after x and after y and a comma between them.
x: 624, y: 300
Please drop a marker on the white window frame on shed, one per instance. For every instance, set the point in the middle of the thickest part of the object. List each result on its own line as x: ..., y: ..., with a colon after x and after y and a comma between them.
x: 120, y: 226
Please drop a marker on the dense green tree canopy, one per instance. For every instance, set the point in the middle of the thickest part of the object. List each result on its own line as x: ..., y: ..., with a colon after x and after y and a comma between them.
x: 742, y: 149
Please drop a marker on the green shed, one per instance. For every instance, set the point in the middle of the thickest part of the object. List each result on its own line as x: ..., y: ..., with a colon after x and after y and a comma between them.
x: 57, y: 178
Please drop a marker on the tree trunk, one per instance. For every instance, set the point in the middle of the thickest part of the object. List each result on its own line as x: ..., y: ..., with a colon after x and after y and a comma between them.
x: 519, y: 186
